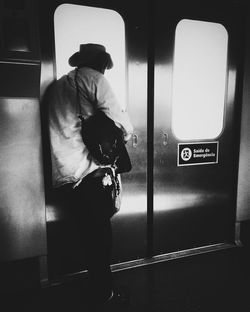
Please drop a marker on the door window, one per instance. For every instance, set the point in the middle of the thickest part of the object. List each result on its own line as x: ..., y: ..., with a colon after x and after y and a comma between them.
x: 199, y: 79
x: 77, y: 24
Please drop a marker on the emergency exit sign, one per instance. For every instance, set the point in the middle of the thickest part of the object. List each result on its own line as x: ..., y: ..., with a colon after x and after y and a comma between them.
x: 200, y: 153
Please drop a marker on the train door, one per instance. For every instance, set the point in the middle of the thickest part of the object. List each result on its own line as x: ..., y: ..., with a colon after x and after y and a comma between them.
x: 196, y: 135
x: 185, y: 108
x: 122, y: 28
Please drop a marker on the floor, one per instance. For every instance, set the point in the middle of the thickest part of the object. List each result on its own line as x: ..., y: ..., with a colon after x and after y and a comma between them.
x: 212, y: 282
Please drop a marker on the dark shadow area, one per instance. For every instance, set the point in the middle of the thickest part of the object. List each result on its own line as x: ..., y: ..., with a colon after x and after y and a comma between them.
x: 216, y: 281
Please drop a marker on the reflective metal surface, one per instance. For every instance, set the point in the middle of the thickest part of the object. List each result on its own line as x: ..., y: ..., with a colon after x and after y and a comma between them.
x: 243, y: 196
x: 193, y: 205
x: 130, y: 224
x: 19, y: 40
x: 19, y: 80
x: 22, y: 207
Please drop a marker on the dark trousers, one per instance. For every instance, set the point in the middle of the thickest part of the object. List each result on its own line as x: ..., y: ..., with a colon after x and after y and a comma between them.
x: 91, y: 206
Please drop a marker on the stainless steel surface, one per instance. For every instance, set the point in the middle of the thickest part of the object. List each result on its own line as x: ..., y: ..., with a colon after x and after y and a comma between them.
x: 171, y: 256
x: 129, y: 225
x: 243, y: 195
x: 149, y: 261
x: 237, y: 237
x: 22, y: 206
x: 19, y: 39
x: 19, y: 80
x: 193, y: 205
x: 165, y: 139
x: 134, y: 140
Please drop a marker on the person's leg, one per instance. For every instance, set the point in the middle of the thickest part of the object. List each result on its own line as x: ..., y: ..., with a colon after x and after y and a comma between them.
x: 95, y: 228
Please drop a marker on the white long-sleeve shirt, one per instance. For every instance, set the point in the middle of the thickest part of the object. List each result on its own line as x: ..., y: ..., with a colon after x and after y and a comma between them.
x: 71, y: 161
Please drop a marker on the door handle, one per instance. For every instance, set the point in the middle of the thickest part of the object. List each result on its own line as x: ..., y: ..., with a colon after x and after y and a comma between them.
x: 134, y: 140
x: 165, y: 139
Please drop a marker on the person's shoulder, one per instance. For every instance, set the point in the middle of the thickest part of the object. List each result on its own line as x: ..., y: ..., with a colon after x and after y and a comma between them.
x: 93, y: 78
x: 91, y: 73
x: 69, y: 75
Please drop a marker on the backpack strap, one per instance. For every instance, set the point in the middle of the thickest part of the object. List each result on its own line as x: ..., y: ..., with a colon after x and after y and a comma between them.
x: 78, y: 105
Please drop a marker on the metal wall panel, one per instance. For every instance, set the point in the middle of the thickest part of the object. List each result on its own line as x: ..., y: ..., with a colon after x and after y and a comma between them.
x: 193, y: 205
x: 22, y: 207
x: 19, y: 80
x: 243, y: 196
x: 19, y: 40
x: 130, y: 224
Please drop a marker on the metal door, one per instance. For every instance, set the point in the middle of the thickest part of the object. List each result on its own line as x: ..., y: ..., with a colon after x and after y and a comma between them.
x: 22, y: 205
x: 194, y: 193
x: 129, y: 225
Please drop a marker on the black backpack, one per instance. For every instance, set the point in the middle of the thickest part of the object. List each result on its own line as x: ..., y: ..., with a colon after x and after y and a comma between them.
x: 105, y: 142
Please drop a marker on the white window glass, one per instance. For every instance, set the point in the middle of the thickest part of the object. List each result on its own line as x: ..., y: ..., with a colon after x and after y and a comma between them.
x: 199, y: 80
x: 76, y: 24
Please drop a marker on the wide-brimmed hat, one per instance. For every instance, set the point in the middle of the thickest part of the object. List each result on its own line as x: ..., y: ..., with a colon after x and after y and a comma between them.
x: 88, y: 53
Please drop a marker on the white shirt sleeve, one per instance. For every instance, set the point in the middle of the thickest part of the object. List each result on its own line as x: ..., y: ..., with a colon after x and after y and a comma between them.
x: 108, y: 103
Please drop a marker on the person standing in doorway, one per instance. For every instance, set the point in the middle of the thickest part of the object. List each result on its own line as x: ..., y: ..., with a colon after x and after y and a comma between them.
x: 74, y: 170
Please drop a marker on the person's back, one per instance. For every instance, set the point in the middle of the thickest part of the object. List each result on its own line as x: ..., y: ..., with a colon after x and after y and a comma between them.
x: 71, y: 160
x: 75, y: 171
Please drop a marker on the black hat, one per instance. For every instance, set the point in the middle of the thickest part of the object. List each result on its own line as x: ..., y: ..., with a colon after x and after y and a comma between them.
x: 88, y: 53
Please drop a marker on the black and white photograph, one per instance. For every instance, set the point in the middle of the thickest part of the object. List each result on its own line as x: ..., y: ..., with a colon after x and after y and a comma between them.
x: 124, y: 156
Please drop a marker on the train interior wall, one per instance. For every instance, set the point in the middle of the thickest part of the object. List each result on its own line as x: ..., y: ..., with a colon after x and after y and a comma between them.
x: 23, y: 226
x: 243, y: 197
